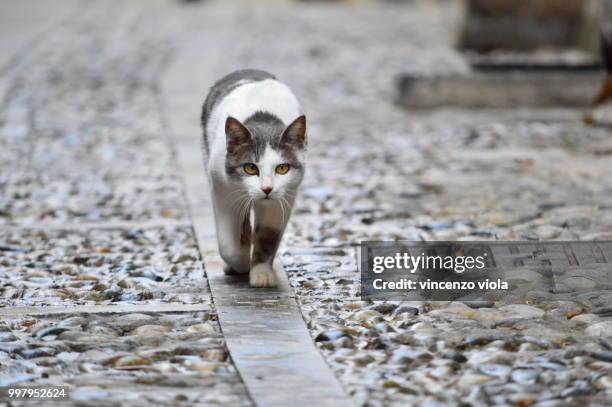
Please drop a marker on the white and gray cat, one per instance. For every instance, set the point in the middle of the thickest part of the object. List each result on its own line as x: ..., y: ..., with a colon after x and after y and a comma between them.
x: 254, y: 151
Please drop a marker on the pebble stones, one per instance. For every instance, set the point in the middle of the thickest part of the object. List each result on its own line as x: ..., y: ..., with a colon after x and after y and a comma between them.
x: 156, y: 264
x: 600, y: 329
x: 121, y: 352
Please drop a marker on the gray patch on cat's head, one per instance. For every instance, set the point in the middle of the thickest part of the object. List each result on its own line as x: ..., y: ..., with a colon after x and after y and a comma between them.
x: 266, y: 131
x: 224, y: 87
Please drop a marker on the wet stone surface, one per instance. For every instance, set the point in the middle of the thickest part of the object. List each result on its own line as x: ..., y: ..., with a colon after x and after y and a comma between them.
x: 415, y: 353
x: 140, y: 359
x: 101, y: 266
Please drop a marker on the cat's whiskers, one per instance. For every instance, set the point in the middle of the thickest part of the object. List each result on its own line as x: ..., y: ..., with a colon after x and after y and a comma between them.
x: 238, y: 201
x: 280, y: 202
x: 238, y: 196
x: 238, y: 206
x: 288, y: 210
x: 245, y: 210
x: 237, y: 191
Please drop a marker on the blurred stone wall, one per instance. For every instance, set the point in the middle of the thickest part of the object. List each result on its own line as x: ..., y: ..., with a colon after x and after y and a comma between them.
x: 531, y: 24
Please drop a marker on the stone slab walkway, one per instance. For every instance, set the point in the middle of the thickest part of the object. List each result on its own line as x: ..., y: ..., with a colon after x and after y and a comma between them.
x: 263, y: 328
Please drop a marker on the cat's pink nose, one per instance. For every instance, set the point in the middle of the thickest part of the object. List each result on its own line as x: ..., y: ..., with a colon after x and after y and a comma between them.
x: 266, y: 190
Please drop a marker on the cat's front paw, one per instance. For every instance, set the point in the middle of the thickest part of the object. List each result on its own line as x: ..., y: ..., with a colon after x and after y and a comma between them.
x: 262, y: 275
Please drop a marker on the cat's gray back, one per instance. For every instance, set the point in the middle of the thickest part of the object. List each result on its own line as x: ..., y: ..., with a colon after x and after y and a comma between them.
x: 224, y: 87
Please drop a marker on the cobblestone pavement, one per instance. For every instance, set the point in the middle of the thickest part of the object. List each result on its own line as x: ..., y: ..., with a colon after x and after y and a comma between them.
x: 136, y: 359
x: 82, y: 140
x: 150, y: 265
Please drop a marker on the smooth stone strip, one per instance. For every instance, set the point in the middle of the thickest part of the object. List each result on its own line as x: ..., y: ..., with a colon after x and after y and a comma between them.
x: 102, y: 309
x: 500, y: 90
x: 105, y: 225
x: 263, y: 328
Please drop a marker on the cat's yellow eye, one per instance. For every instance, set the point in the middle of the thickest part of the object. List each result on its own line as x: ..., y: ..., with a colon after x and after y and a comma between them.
x: 282, y: 169
x: 250, y: 169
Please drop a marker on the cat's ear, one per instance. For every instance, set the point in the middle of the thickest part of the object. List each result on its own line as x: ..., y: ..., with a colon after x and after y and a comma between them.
x: 295, y: 134
x: 236, y: 135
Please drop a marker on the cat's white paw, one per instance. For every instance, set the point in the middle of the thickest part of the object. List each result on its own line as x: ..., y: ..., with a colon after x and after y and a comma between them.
x: 262, y: 275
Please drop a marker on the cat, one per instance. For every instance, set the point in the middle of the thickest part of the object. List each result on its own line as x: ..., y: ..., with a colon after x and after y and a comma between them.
x: 254, y: 145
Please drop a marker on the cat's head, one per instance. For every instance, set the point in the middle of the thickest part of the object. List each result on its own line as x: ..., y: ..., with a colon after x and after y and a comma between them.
x: 266, y: 156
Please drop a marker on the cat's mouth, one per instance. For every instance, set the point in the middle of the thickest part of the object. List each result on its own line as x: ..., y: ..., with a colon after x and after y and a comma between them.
x: 268, y: 198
